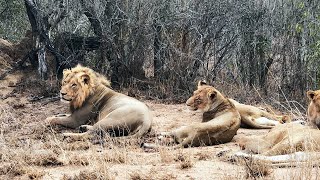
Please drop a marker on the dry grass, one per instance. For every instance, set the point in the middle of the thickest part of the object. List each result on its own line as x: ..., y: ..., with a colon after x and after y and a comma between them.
x: 12, y: 169
x: 90, y: 175
x: 257, y: 168
x: 152, y: 174
x: 29, y: 149
x: 184, y: 160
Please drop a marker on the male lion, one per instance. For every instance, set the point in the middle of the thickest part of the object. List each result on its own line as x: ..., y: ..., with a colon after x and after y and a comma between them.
x: 314, y: 108
x: 93, y: 102
x: 254, y: 117
x: 220, y: 120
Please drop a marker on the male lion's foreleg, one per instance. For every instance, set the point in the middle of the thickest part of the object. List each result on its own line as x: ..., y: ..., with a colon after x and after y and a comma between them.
x: 63, y: 120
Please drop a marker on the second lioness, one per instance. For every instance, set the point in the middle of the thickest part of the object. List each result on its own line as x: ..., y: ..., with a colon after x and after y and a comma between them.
x: 220, y: 120
x: 254, y: 117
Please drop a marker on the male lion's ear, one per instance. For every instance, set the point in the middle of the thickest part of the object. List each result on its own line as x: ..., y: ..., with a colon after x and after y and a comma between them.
x: 85, y: 78
x: 310, y: 94
x: 202, y: 82
x: 212, y: 94
x: 79, y: 65
x: 66, y: 72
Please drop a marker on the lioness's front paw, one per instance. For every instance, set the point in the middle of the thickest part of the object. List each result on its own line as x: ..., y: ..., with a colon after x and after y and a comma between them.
x: 84, y: 128
x: 65, y: 135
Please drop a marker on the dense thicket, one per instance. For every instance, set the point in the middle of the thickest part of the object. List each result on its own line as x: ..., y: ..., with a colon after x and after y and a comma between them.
x: 165, y: 46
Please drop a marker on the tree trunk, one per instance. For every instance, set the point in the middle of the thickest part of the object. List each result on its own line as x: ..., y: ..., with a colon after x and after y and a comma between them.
x: 40, y: 28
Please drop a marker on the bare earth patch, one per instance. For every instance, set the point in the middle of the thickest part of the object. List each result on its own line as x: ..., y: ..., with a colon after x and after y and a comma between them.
x: 29, y: 150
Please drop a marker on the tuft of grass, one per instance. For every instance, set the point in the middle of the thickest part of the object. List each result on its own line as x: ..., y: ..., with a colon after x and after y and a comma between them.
x: 13, y: 168
x: 35, y: 174
x: 256, y: 168
x: 184, y: 159
x: 203, y: 156
x: 137, y: 175
x: 79, y: 160
x: 90, y: 175
x: 185, y: 164
x: 45, y: 158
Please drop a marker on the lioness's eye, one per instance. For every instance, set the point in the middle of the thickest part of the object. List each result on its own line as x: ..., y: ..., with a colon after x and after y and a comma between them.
x: 74, y: 85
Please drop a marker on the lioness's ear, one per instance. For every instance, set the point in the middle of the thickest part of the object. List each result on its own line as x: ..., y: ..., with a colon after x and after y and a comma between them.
x: 201, y: 83
x: 212, y: 94
x: 310, y: 94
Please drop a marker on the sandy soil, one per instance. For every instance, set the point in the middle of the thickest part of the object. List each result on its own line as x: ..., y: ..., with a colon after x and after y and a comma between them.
x: 29, y: 150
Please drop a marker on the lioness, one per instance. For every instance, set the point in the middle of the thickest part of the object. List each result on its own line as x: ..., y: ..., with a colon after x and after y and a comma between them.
x: 93, y: 102
x: 254, y: 117
x: 283, y: 139
x: 220, y: 120
x: 314, y: 108
x: 285, y: 143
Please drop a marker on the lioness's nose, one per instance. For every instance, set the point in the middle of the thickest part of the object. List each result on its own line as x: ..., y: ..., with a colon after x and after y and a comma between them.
x: 188, y: 102
x: 62, y: 93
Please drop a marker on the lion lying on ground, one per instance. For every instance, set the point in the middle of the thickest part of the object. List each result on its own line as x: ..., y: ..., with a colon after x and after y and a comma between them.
x: 220, y: 120
x: 254, y: 117
x: 292, y: 142
x: 93, y: 102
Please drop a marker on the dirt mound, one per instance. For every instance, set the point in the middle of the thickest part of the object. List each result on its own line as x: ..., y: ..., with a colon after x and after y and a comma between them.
x: 6, y: 50
x: 10, y: 53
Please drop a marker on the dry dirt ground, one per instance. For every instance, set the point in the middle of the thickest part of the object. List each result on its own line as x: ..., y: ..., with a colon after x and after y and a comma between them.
x: 30, y: 150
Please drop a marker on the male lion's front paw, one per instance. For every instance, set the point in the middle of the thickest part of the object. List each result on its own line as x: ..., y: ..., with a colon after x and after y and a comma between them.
x: 50, y: 120
x: 62, y: 115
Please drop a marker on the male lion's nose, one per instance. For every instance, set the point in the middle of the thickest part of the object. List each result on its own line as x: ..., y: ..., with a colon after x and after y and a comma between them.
x: 62, y: 93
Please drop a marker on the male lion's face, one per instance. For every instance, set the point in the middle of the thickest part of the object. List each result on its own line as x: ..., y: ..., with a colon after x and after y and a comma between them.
x: 76, y: 87
x: 203, y: 98
x: 69, y: 89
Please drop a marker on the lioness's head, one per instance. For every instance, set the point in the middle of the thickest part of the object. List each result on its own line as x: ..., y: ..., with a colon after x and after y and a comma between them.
x: 314, y: 96
x: 204, y: 98
x: 77, y: 85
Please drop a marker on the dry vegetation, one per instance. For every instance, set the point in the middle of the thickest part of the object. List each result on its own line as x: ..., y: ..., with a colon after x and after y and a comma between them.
x: 29, y: 150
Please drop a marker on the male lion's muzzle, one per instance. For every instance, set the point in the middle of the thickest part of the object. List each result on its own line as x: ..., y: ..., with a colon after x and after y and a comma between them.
x: 63, y: 96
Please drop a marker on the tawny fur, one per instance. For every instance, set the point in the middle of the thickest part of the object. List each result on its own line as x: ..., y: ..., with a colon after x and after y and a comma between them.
x: 314, y: 108
x: 93, y: 102
x: 283, y: 139
x: 220, y: 120
x: 250, y: 117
